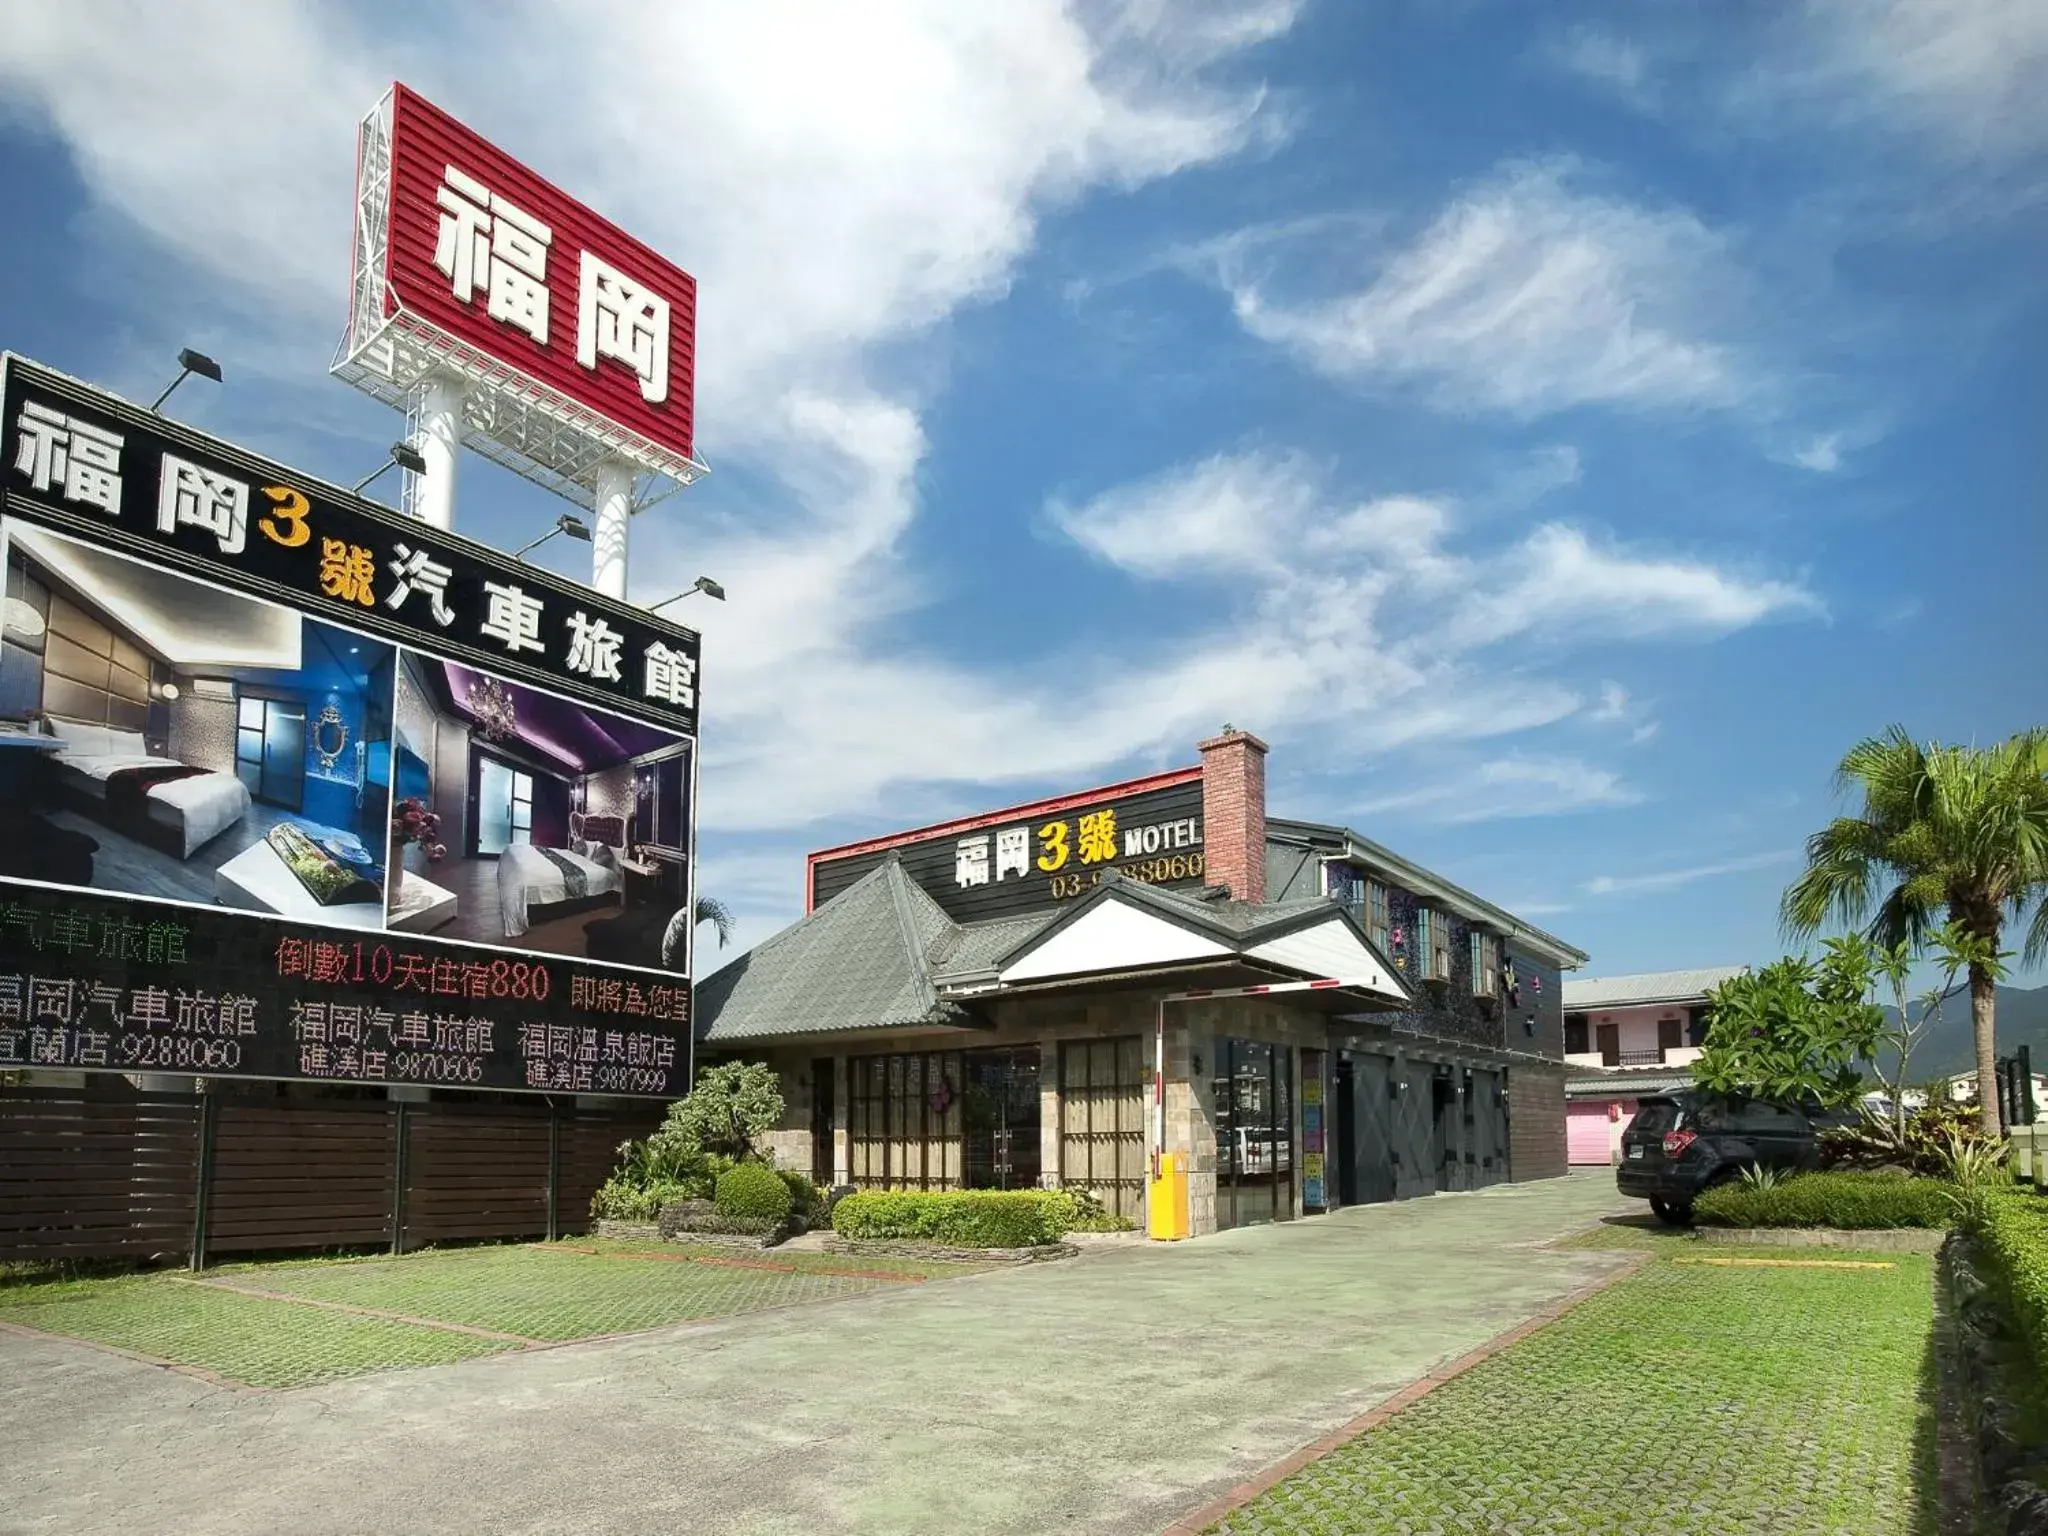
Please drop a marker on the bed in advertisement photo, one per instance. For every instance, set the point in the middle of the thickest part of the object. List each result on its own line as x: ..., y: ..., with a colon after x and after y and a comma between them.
x: 184, y: 742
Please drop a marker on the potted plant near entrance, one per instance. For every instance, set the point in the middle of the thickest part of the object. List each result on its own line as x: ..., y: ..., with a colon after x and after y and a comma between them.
x: 412, y: 822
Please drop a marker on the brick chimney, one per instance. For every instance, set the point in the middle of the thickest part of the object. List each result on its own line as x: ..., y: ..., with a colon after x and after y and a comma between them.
x: 1234, y: 812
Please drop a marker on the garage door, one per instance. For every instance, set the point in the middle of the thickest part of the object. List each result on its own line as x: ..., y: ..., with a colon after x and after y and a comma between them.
x: 1587, y: 1136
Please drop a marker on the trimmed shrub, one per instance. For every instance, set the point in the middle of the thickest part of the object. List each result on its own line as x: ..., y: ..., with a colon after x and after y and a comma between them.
x: 753, y: 1190
x: 1080, y: 1210
x: 1853, y: 1201
x: 967, y: 1218
x: 620, y: 1198
x: 806, y: 1199
x: 2011, y: 1229
x: 687, y: 1216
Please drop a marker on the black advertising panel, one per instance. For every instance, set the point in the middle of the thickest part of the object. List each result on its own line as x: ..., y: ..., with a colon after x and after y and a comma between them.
x: 295, y: 787
x: 124, y: 478
x: 1002, y: 865
x: 106, y: 984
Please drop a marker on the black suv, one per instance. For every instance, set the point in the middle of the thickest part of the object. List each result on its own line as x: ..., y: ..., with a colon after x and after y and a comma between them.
x: 1679, y: 1144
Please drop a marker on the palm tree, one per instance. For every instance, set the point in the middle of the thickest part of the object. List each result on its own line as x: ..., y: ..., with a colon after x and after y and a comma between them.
x: 1960, y: 831
x: 715, y: 912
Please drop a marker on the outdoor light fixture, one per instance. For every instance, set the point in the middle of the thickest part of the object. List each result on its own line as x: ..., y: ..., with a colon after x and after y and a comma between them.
x: 189, y: 363
x: 168, y: 692
x: 702, y: 584
x: 575, y: 527
x: 403, y: 456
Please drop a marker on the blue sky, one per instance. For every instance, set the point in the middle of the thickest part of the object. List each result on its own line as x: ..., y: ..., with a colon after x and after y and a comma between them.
x: 1559, y: 431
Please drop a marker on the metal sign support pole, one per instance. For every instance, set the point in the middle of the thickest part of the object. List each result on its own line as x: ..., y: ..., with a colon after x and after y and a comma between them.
x: 440, y: 444
x: 612, y: 501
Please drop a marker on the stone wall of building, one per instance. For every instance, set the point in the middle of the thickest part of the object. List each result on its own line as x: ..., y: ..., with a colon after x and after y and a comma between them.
x: 1536, y: 1133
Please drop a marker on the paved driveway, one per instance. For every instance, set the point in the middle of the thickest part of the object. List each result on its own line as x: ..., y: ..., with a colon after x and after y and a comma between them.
x: 1107, y: 1394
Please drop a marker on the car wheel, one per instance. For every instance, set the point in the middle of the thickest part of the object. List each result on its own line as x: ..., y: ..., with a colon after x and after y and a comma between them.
x: 1673, y: 1213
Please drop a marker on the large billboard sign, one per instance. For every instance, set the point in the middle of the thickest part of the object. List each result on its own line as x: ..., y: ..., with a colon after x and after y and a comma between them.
x: 579, y: 340
x: 297, y: 787
x: 1029, y: 857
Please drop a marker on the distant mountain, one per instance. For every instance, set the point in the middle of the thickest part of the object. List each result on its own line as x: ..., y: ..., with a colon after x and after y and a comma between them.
x: 1946, y: 1048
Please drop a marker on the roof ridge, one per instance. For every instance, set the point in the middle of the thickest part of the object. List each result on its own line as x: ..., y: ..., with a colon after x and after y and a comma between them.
x: 900, y: 887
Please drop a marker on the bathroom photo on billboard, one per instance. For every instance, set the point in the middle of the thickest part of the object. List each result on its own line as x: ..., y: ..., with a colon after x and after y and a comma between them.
x: 527, y: 822
x: 169, y: 739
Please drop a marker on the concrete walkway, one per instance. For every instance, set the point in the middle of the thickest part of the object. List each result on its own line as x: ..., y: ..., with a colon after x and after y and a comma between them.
x: 1111, y: 1393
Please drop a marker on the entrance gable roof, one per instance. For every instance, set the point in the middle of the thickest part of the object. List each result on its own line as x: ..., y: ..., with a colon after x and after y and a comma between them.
x: 1299, y: 935
x: 1331, y: 947
x: 1113, y: 936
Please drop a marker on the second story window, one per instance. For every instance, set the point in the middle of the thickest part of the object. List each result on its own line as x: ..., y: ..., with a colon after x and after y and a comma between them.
x: 1485, y: 963
x: 1374, y: 917
x: 1577, y: 1038
x: 1432, y: 945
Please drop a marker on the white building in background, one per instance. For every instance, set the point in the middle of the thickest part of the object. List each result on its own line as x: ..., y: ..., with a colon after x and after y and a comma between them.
x: 1625, y: 1037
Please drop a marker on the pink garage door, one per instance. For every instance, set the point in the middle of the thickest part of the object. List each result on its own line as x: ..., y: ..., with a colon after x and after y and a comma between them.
x: 1586, y: 1134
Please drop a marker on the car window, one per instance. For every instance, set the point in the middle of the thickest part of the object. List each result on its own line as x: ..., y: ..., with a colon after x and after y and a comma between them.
x: 1772, y: 1119
x: 1747, y: 1117
x: 1655, y: 1117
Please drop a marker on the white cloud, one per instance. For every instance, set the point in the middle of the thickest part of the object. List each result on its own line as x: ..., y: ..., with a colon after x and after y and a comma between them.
x: 1510, y: 787
x: 1822, y: 455
x: 1615, y: 63
x: 1368, y: 620
x: 1529, y: 294
x: 1965, y: 73
x: 1613, y: 704
x: 1669, y: 879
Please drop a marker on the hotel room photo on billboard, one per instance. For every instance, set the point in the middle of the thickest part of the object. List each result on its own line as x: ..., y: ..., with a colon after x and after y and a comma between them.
x: 169, y: 739
x: 559, y: 828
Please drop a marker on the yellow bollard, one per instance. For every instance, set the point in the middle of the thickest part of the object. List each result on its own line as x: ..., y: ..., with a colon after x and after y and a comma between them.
x: 1166, y: 1202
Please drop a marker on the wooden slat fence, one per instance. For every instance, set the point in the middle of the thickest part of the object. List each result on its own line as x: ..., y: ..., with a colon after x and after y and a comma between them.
x: 103, y: 1173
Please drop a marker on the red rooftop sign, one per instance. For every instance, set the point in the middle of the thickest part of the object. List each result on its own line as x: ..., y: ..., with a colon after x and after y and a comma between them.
x: 487, y: 252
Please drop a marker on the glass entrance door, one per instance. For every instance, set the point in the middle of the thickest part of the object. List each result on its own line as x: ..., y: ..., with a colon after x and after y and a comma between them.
x: 1002, y: 1118
x: 1254, y: 1116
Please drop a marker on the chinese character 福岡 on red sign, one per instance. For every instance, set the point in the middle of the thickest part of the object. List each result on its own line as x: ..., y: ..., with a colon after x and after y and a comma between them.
x: 498, y: 258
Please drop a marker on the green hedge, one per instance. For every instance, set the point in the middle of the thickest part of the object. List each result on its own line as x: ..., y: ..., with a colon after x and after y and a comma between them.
x: 2011, y: 1228
x: 1853, y: 1201
x: 754, y: 1191
x: 971, y: 1218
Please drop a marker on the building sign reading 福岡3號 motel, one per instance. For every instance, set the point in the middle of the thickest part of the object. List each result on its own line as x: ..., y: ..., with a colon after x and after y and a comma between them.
x: 1004, y: 863
x: 93, y: 464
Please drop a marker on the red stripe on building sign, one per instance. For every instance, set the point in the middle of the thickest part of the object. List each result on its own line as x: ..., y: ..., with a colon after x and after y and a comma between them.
x: 1317, y: 986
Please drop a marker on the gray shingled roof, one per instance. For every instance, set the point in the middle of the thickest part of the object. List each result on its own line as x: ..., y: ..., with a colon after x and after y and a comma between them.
x: 876, y: 955
x: 975, y: 948
x: 1583, y: 993
x: 1630, y: 1083
x: 858, y: 962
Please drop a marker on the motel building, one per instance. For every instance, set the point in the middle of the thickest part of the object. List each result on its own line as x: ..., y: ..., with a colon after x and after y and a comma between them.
x: 1281, y: 1015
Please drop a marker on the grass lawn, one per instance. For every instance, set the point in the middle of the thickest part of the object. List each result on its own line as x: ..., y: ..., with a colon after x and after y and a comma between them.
x: 318, y: 1321
x: 256, y: 1343
x: 1691, y: 1399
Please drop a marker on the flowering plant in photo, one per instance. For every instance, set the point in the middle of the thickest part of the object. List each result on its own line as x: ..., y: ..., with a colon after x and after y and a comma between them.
x: 412, y: 822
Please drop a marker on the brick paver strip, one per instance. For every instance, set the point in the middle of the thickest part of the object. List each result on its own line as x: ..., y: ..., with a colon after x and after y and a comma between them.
x: 1792, y: 1263
x: 354, y: 1311
x: 1210, y: 1513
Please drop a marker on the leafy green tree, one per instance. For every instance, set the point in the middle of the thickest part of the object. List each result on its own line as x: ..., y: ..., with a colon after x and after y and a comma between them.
x: 730, y: 1108
x: 1944, y: 831
x: 1794, y: 1032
